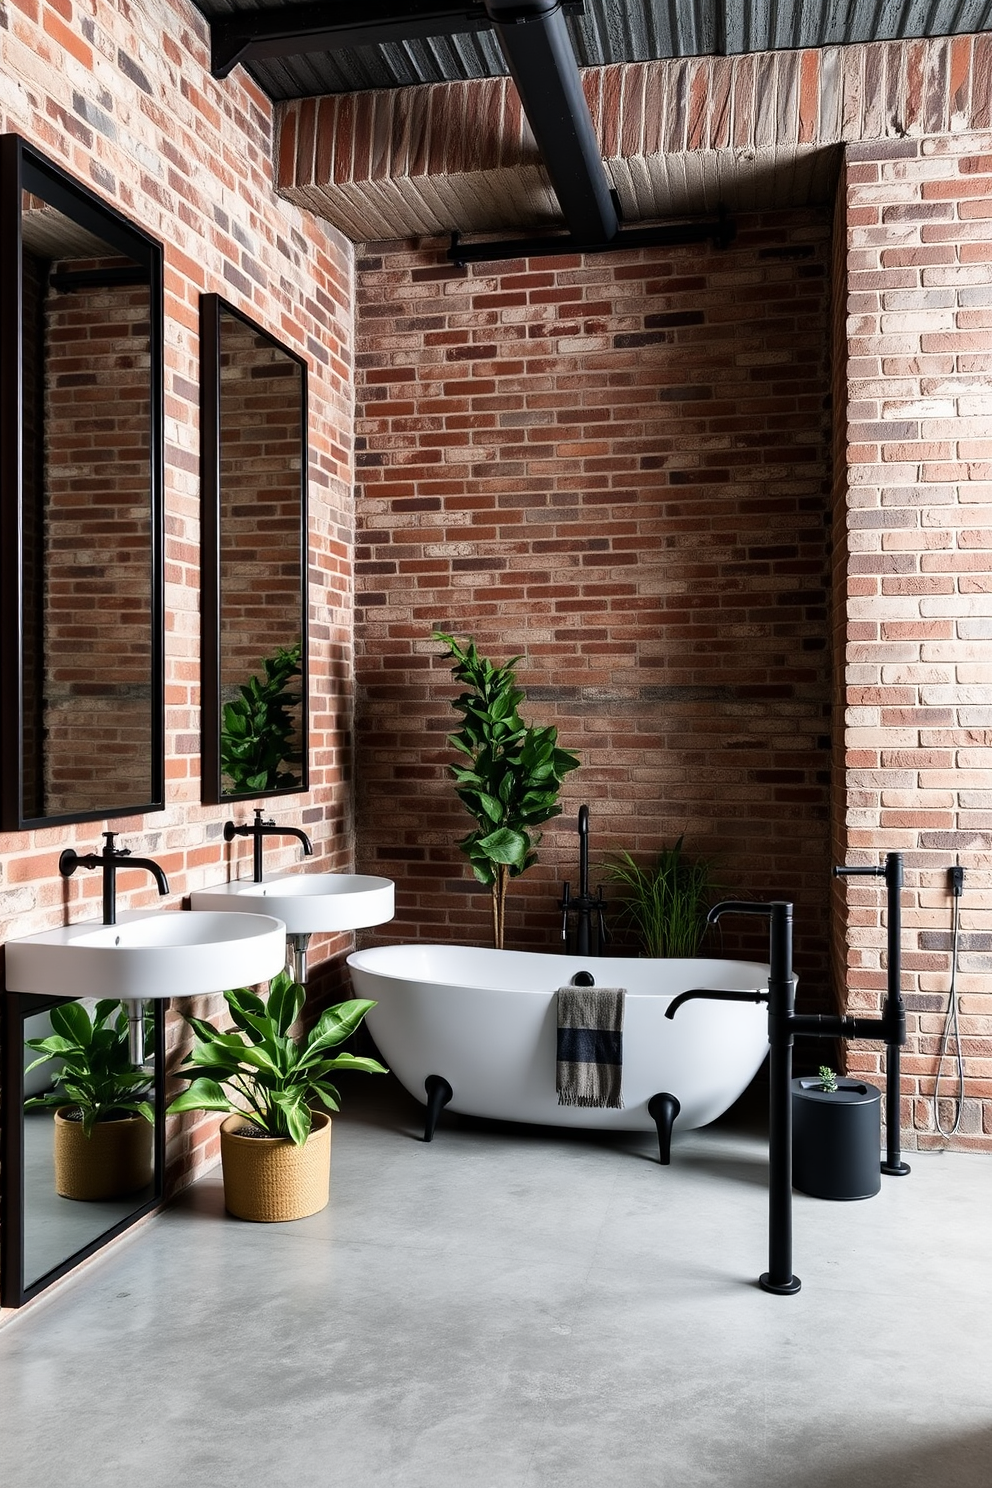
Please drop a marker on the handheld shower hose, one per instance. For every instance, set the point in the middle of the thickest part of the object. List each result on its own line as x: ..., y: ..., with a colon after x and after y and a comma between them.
x: 951, y: 1020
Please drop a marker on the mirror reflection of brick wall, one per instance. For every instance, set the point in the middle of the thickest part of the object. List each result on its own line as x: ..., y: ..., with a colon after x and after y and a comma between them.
x: 260, y: 484
x: 97, y: 620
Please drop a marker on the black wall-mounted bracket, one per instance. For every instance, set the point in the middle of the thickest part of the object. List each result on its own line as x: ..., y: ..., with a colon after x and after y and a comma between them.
x: 720, y: 231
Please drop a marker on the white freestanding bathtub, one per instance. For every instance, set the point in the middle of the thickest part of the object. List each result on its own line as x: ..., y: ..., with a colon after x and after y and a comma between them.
x: 484, y: 1021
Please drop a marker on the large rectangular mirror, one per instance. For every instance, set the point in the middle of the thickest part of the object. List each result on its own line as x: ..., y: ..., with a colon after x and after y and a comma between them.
x: 81, y: 649
x: 253, y: 424
x: 66, y: 1193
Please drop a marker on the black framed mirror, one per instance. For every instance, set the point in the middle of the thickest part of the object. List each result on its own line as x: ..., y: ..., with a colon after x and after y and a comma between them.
x: 81, y: 475
x: 253, y: 424
x: 63, y: 1194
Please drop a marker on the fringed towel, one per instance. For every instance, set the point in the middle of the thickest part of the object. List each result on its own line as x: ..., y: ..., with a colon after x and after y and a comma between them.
x: 590, y: 1046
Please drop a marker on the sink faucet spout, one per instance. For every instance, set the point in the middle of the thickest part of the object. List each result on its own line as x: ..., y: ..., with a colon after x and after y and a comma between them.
x: 258, y: 830
x: 110, y: 859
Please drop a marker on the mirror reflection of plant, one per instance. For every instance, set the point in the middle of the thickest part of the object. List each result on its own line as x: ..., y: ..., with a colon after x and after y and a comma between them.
x: 513, y: 777
x: 666, y: 901
x: 257, y: 728
x: 96, y: 1075
x: 260, y: 1071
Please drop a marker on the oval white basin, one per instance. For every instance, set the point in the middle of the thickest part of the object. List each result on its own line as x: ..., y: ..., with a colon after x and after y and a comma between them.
x: 150, y: 954
x: 307, y: 903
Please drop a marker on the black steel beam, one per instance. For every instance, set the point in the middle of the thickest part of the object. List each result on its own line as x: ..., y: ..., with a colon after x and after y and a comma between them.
x: 719, y: 231
x: 293, y: 30
x: 538, y: 50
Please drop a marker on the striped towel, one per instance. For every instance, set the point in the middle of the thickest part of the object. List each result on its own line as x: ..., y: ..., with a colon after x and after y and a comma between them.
x: 590, y: 1046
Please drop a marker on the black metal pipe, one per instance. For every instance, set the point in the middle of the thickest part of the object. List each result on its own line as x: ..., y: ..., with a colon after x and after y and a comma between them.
x: 719, y: 231
x: 779, y: 1278
x: 892, y: 1025
x: 713, y: 994
x: 535, y: 42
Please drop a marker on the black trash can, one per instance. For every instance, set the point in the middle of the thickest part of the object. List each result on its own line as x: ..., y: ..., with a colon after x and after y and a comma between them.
x: 836, y: 1139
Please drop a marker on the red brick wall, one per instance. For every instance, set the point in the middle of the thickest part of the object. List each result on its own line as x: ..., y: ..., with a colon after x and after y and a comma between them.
x: 260, y: 456
x: 619, y: 467
x: 97, y: 612
x: 918, y: 768
x: 124, y: 101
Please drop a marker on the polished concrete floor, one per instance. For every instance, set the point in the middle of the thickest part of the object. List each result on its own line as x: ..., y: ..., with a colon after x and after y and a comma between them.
x: 520, y: 1308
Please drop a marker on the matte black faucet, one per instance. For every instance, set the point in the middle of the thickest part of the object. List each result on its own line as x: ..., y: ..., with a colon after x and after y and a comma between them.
x: 584, y: 906
x: 259, y: 829
x: 110, y: 859
x: 783, y: 1024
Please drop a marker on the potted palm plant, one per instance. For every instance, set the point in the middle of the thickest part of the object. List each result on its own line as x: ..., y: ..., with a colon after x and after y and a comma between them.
x: 103, y: 1120
x: 275, y: 1143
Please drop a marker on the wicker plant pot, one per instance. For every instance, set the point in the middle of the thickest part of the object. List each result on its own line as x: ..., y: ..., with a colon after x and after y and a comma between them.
x: 270, y: 1178
x: 115, y: 1159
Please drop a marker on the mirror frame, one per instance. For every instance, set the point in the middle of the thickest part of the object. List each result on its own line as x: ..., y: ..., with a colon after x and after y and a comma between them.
x: 13, y: 1292
x: 22, y: 168
x: 212, y: 309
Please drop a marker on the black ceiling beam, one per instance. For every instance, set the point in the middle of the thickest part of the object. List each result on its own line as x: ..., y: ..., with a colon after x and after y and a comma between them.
x: 293, y: 30
x: 719, y: 231
x: 535, y: 42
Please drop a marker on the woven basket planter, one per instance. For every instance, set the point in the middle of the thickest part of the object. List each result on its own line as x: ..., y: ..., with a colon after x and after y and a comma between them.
x: 116, y: 1158
x: 270, y: 1178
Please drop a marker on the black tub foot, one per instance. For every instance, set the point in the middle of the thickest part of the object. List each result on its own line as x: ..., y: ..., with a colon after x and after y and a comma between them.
x: 439, y: 1093
x: 663, y: 1109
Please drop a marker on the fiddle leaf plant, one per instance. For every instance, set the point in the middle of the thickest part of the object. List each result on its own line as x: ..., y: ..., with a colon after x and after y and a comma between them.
x: 264, y: 1073
x: 511, y: 774
x: 257, y: 728
x: 95, y: 1076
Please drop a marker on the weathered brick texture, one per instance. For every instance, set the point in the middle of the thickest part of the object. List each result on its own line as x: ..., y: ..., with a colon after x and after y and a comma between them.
x: 619, y: 468
x: 917, y: 667
x: 122, y: 98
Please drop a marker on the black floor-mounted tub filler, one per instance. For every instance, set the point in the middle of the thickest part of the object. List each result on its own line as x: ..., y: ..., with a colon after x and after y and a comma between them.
x: 783, y: 1024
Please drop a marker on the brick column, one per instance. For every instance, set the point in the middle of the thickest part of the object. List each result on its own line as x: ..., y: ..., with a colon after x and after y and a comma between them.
x: 915, y: 595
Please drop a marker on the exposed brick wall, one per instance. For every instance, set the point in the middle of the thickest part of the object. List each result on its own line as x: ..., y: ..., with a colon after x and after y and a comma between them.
x: 97, y: 620
x: 618, y: 466
x: 122, y: 98
x: 260, y: 456
x: 918, y: 676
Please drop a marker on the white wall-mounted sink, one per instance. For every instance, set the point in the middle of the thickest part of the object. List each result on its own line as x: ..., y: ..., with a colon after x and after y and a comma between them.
x: 307, y: 903
x: 150, y: 954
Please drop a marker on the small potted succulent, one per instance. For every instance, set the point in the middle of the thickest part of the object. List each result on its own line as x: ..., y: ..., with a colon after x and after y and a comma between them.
x: 275, y: 1143
x: 103, y: 1119
x: 836, y: 1136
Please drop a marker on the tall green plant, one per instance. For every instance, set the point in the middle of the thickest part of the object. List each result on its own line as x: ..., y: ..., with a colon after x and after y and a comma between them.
x: 257, y: 727
x: 666, y: 902
x: 512, y: 777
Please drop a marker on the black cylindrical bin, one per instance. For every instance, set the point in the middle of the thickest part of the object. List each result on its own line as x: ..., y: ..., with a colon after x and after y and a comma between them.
x: 836, y: 1139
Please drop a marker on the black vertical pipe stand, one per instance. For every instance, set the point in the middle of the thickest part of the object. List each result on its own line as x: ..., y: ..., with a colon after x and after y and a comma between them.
x: 894, y: 1012
x: 779, y: 1277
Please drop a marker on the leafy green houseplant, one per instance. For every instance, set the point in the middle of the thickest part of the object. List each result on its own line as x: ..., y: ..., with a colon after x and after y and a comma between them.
x: 103, y: 1119
x: 257, y: 728
x: 271, y: 1084
x: 96, y: 1077
x: 511, y: 777
x: 666, y: 901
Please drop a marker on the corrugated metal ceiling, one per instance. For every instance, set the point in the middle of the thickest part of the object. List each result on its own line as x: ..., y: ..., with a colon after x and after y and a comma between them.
x: 615, y: 31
